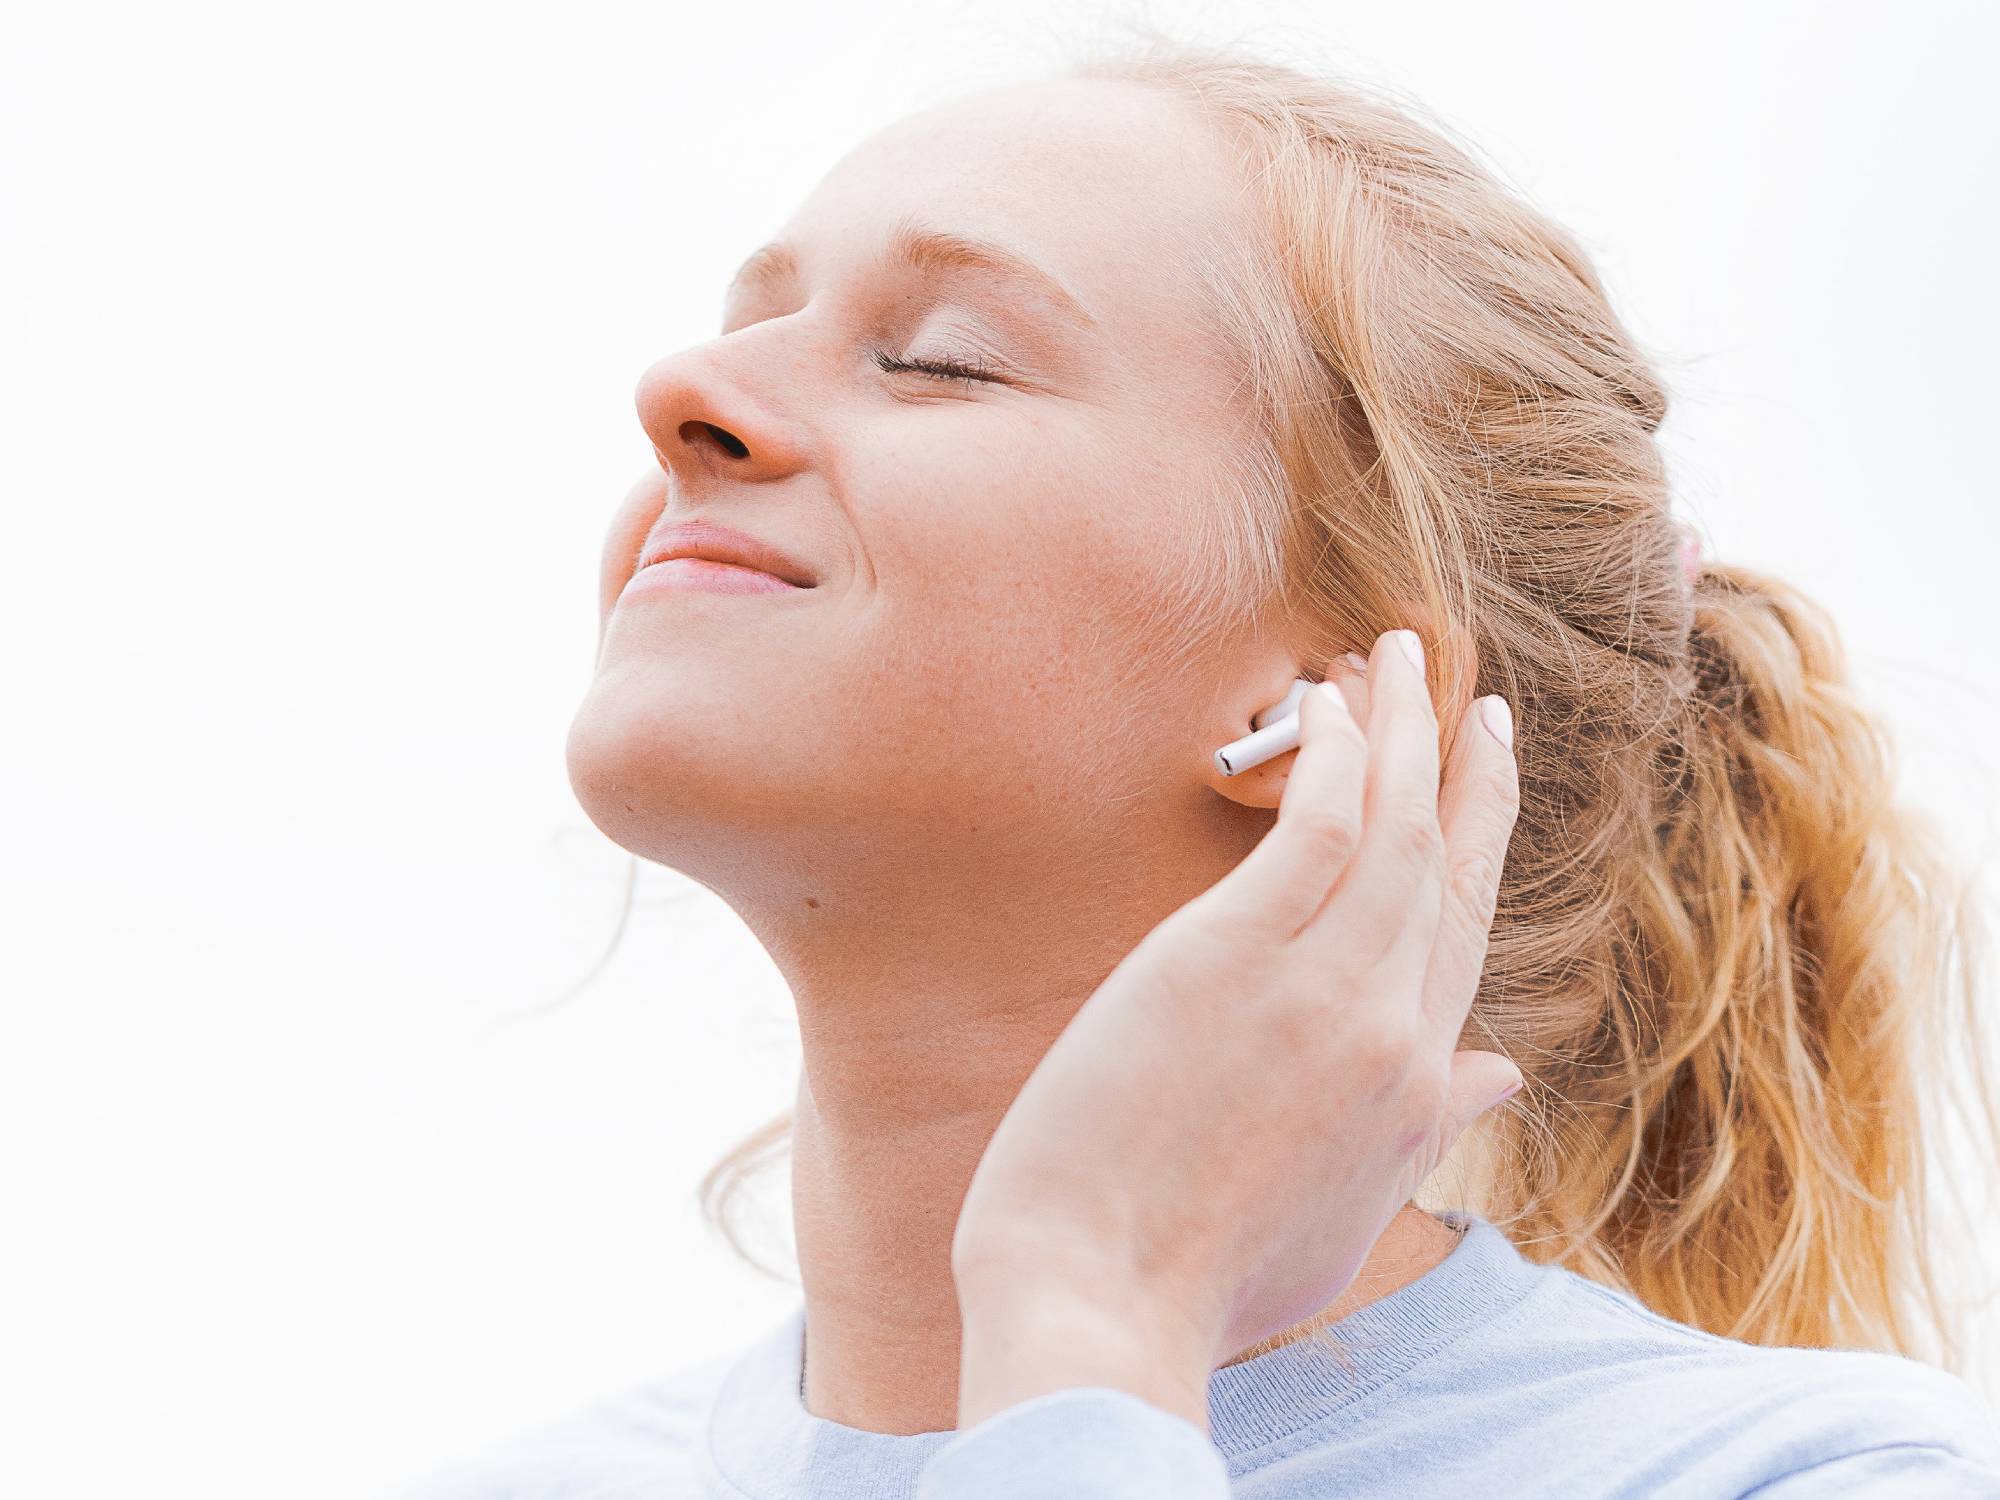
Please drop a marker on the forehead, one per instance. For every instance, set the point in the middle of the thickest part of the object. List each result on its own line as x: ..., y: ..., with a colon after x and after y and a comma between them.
x: 1113, y: 189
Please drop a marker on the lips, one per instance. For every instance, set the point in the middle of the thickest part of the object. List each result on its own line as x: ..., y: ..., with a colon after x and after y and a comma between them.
x: 725, y: 544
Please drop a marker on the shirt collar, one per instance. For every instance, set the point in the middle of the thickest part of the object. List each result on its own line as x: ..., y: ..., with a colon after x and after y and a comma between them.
x: 765, y: 1444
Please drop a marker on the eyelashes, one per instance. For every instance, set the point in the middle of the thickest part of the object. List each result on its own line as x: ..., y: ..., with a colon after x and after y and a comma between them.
x: 967, y: 371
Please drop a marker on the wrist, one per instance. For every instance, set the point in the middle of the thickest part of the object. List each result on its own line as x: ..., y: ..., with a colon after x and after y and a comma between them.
x: 1023, y: 1338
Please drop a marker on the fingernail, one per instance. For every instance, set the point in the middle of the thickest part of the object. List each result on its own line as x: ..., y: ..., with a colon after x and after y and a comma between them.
x: 1357, y: 661
x: 1411, y: 647
x: 1498, y: 717
x: 1511, y: 1092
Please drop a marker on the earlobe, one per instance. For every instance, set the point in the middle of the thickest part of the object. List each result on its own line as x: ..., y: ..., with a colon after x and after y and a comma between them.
x: 1260, y: 782
x: 1277, y: 730
x: 1252, y: 768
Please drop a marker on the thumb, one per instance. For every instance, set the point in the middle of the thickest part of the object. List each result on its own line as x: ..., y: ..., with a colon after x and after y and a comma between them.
x: 1479, y: 1080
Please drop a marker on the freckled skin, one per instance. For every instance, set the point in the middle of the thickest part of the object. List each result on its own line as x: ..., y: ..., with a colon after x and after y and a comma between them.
x: 992, y: 562
x: 946, y: 789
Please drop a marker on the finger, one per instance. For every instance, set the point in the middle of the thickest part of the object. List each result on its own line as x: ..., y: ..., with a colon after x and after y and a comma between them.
x: 1477, y: 810
x: 1286, y: 878
x: 1387, y: 910
x: 1479, y: 1080
x: 1352, y: 672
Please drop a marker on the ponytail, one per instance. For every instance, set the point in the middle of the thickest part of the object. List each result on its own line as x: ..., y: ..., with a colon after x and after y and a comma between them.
x: 1748, y: 1150
x: 1736, y: 975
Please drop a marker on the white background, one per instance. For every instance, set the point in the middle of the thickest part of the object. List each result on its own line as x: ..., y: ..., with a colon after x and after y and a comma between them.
x: 319, y: 328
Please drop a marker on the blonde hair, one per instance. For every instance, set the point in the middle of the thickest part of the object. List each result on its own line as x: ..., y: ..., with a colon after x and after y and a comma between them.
x: 1730, y: 967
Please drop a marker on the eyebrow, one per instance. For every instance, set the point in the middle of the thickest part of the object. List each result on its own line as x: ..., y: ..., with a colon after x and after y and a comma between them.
x: 930, y: 249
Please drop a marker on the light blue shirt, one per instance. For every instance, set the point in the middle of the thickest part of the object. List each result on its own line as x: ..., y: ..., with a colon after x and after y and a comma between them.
x: 1488, y: 1375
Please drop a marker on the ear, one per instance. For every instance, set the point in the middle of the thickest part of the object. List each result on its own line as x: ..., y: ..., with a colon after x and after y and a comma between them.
x: 1264, y: 786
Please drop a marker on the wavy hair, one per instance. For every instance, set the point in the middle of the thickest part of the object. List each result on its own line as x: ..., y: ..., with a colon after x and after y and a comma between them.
x: 1738, y: 977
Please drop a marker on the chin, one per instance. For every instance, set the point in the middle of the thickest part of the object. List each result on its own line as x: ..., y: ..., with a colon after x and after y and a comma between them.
x: 683, y: 784
x: 629, y: 759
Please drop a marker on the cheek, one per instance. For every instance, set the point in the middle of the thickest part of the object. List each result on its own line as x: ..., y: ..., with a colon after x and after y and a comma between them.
x: 1033, y: 552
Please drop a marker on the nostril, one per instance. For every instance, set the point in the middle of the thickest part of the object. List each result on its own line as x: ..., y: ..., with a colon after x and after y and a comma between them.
x: 730, y: 443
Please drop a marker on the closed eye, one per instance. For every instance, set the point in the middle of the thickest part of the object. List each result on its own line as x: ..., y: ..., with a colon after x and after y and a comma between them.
x: 944, y: 369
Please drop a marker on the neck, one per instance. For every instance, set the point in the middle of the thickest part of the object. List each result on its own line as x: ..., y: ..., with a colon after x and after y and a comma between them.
x: 877, y: 1179
x: 927, y: 986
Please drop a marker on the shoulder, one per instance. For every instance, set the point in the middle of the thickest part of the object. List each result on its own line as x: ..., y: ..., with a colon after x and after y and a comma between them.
x: 1776, y: 1408
x: 636, y: 1442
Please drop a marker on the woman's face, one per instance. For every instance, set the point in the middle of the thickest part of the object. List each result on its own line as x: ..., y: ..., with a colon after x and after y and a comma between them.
x: 995, y: 559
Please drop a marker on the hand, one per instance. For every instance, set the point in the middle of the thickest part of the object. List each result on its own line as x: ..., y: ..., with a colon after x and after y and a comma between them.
x: 1211, y: 1147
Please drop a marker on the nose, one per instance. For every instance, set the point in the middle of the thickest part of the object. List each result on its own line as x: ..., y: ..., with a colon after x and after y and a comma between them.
x: 706, y: 421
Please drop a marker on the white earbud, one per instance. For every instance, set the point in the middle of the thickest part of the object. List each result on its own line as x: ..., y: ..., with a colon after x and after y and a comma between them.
x: 1277, y: 731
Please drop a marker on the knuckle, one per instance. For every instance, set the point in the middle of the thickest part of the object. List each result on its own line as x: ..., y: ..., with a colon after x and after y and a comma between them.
x: 1414, y: 829
x: 1384, y: 1048
x: 1475, y: 879
x: 1329, y: 832
x: 1301, y: 1027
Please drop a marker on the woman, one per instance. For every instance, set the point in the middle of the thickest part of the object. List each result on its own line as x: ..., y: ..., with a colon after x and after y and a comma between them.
x: 1071, y: 423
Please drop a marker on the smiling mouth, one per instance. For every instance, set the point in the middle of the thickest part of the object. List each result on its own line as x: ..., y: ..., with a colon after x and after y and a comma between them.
x: 712, y: 575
